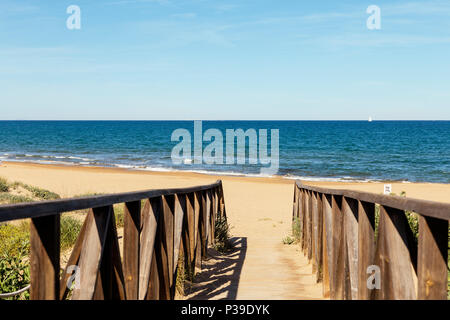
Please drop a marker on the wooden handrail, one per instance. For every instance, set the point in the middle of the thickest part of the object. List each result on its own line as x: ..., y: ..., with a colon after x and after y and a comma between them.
x: 425, y: 207
x: 43, y: 208
x: 362, y: 247
x: 172, y: 223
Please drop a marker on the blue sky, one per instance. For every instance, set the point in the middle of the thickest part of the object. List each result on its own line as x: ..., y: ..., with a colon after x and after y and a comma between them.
x: 201, y: 59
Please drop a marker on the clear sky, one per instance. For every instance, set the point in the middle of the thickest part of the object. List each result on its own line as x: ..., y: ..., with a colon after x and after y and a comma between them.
x: 235, y: 59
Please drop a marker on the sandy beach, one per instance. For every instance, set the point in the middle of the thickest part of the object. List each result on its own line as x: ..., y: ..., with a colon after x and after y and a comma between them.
x: 259, y: 211
x: 69, y: 180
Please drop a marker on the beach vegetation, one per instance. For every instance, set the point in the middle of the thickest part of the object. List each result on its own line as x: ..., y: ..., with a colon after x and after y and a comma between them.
x: 296, y: 233
x: 4, y: 186
x: 14, y: 275
x: 18, y: 192
x: 14, y: 239
x: 42, y: 194
x: 14, y: 261
x: 288, y: 240
x: 222, y: 234
x: 119, y: 215
x: 296, y: 229
x: 88, y: 194
x: 185, y: 275
x: 70, y: 229
x: 13, y: 198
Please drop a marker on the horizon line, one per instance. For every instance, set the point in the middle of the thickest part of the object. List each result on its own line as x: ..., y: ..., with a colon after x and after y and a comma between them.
x: 284, y: 120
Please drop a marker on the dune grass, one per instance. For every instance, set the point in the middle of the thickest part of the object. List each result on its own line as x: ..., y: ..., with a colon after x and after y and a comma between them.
x: 4, y: 186
x: 222, y: 235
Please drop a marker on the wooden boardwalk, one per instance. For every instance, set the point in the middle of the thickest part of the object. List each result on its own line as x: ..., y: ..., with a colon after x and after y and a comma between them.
x: 261, y: 266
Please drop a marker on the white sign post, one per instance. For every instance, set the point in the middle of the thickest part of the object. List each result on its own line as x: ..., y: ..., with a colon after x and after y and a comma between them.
x: 388, y: 189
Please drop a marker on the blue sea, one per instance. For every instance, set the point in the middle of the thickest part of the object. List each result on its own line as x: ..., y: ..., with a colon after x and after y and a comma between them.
x: 416, y: 151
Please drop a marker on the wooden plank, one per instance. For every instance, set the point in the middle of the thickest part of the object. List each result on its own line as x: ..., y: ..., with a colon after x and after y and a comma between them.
x: 131, y: 247
x: 154, y: 286
x: 396, y: 256
x: 161, y: 254
x: 168, y: 211
x: 91, y: 253
x: 306, y: 221
x: 118, y: 290
x: 328, y: 222
x: 73, y: 260
x: 310, y: 226
x: 222, y: 196
x: 350, y: 212
x: 314, y: 231
x: 44, y: 257
x: 320, y: 231
x: 208, y: 216
x: 295, y: 201
x: 204, y: 225
x: 432, y: 259
x: 214, y: 215
x: 180, y: 209
x: 339, y: 252
x: 197, y: 230
x: 186, y: 242
x: 150, y: 216
x: 325, y: 270
x: 302, y: 218
x: 366, y: 246
x: 198, y: 254
x: 190, y: 225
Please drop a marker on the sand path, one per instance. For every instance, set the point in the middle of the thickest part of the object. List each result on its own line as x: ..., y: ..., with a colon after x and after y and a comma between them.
x: 261, y: 267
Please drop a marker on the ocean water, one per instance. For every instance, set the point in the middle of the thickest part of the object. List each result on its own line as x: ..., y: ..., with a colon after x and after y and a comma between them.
x: 317, y: 150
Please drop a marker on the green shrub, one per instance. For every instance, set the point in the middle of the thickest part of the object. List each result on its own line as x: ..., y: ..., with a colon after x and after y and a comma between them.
x: 222, y: 234
x: 377, y: 220
x: 14, y: 266
x: 41, y: 193
x: 13, y: 199
x: 14, y: 275
x: 119, y: 215
x: 70, y: 228
x: 413, y: 221
x: 88, y: 194
x: 288, y: 240
x: 35, y: 191
x: 14, y: 240
x: 185, y: 275
x: 296, y: 229
x: 4, y: 186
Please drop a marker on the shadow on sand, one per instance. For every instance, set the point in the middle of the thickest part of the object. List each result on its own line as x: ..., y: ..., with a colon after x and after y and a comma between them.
x: 219, y: 278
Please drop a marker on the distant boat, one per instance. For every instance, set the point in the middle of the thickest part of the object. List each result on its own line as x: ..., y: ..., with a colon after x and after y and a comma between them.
x: 370, y: 119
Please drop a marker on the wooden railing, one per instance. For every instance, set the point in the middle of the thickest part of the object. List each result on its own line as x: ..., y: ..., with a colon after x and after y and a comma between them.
x: 171, y: 222
x: 354, y: 259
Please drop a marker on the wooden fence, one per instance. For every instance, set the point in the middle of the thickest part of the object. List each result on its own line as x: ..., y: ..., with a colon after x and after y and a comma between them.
x: 362, y: 247
x: 159, y: 226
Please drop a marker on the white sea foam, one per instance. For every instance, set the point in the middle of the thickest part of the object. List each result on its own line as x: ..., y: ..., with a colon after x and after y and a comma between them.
x: 87, y: 161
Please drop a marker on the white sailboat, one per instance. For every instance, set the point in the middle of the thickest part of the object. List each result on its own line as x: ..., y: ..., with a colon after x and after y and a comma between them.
x: 370, y: 119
